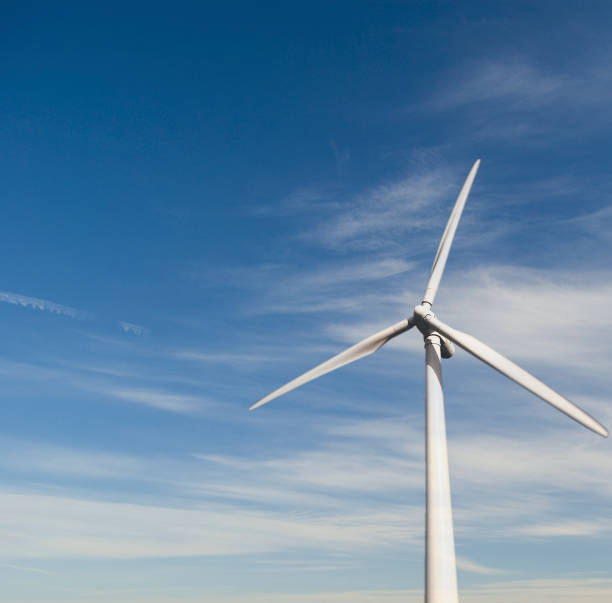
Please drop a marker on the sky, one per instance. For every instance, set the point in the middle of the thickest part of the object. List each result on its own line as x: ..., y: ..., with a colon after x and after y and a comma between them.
x: 202, y: 201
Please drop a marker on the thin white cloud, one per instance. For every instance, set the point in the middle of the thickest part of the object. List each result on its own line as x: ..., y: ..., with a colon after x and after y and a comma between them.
x: 384, y: 460
x: 24, y: 568
x: 231, y: 358
x: 128, y: 327
x: 507, y: 306
x: 336, y: 470
x: 518, y: 99
x: 561, y: 590
x: 574, y: 461
x: 330, y: 275
x: 377, y: 465
x: 306, y: 198
x: 335, y: 286
x: 467, y: 565
x: 567, y: 528
x: 546, y: 308
x: 131, y: 595
x: 30, y: 458
x: 518, y: 81
x: 598, y: 223
x: 163, y: 401
x: 348, y: 273
x: 330, y: 288
x: 39, y: 526
x: 41, y: 304
x: 374, y: 219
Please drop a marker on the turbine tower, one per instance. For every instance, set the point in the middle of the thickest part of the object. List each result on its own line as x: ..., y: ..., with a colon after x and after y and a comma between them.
x: 440, y: 566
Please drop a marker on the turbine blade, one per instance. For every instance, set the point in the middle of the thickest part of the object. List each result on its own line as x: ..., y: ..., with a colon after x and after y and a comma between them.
x: 359, y: 350
x: 516, y: 373
x: 447, y: 238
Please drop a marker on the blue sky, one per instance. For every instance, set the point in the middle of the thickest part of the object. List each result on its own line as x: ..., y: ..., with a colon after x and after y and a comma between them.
x: 201, y: 202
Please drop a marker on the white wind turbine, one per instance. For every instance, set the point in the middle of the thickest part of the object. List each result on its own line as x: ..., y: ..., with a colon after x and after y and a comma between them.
x: 440, y: 567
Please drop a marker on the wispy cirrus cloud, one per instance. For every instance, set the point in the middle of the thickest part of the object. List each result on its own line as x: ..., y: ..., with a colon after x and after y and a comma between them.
x: 42, y: 526
x: 39, y: 459
x: 24, y: 568
x: 332, y: 287
x: 586, y: 589
x: 304, y: 198
x: 568, y: 528
x: 525, y: 84
x: 46, y: 305
x: 244, y: 359
x: 516, y: 81
x: 283, y: 289
x: 323, y: 277
x: 544, y: 307
x: 128, y: 327
x: 382, y: 460
x: 468, y: 565
x: 597, y: 223
x: 521, y: 98
x: 163, y: 401
x: 377, y: 465
x: 41, y: 304
x: 374, y: 219
x: 349, y: 272
x: 507, y: 457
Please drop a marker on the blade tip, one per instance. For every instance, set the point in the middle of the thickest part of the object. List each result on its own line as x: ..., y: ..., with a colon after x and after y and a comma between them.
x: 599, y: 429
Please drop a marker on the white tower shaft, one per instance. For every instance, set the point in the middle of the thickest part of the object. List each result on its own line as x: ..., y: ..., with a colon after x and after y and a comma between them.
x: 440, y: 565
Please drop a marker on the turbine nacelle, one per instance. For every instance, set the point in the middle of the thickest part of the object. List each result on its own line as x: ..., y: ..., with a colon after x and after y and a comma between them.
x: 447, y: 348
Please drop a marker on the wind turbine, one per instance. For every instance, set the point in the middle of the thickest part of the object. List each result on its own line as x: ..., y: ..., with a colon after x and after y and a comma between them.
x: 440, y: 566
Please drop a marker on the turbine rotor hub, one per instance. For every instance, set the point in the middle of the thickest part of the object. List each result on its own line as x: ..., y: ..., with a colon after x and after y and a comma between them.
x: 420, y: 315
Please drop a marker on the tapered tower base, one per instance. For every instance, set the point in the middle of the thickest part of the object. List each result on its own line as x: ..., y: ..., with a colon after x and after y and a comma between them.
x: 440, y: 565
